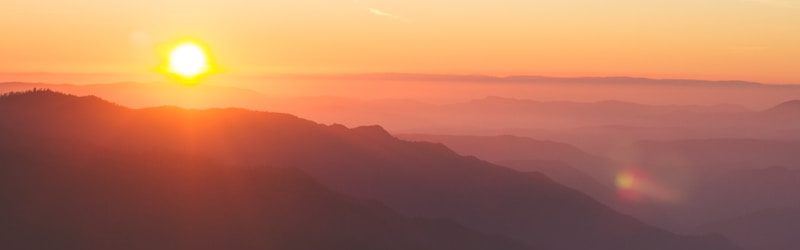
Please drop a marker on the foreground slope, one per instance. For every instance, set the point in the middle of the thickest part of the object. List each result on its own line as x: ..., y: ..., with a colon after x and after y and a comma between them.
x: 420, y: 179
x: 774, y: 229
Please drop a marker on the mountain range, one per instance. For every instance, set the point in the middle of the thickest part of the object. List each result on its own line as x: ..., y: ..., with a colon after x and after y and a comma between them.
x: 416, y: 179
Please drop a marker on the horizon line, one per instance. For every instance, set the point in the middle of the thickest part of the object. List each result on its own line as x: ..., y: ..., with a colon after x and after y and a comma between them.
x: 390, y: 75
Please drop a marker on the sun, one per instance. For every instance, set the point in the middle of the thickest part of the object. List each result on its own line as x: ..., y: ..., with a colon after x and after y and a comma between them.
x: 188, y: 61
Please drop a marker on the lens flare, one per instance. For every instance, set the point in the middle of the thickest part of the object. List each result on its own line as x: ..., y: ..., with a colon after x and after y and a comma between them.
x: 633, y: 184
x: 628, y: 184
x: 625, y: 180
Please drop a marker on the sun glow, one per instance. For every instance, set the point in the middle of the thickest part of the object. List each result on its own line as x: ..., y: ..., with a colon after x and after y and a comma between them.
x: 188, y: 61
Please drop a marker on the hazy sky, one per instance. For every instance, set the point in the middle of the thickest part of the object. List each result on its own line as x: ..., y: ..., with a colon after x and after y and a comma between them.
x: 708, y: 39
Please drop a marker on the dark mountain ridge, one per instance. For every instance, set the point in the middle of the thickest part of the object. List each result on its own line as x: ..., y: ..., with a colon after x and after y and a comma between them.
x: 60, y: 195
x: 509, y: 148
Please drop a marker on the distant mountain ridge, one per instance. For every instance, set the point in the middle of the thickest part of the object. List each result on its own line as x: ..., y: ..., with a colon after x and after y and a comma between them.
x: 788, y: 106
x: 517, y: 79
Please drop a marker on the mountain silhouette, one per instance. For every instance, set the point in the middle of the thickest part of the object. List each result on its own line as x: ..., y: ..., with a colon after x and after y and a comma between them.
x: 416, y: 179
x: 564, y: 163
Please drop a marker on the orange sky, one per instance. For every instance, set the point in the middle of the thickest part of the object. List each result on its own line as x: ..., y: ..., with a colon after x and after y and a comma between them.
x: 707, y: 39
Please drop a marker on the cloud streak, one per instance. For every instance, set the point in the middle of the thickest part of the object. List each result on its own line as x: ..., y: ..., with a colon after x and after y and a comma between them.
x: 384, y: 14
